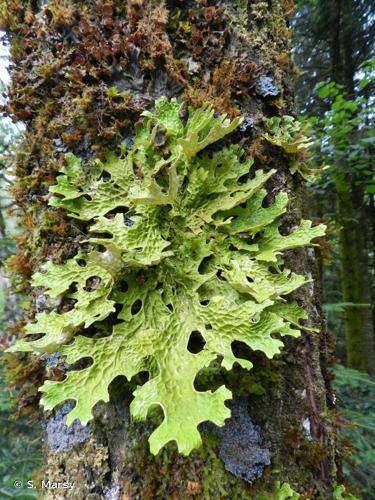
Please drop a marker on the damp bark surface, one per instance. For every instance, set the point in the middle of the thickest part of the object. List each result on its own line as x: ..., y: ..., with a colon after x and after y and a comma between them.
x: 67, y: 58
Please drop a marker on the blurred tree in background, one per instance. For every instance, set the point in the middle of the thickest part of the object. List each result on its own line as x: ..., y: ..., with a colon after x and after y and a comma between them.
x: 355, y: 392
x: 334, y: 45
x: 334, y: 41
x: 20, y: 437
x: 345, y: 139
x: 7, y: 244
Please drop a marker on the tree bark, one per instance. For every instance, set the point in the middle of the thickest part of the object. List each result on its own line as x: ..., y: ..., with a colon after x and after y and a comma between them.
x: 65, y: 57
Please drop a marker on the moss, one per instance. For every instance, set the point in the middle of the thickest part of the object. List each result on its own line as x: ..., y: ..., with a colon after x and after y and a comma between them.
x: 24, y: 374
x: 266, y: 35
x: 304, y: 449
x: 63, y: 68
x: 9, y: 15
x: 201, y: 476
x: 88, y: 466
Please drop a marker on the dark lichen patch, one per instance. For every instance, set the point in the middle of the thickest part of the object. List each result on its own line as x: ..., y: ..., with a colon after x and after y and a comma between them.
x: 241, y: 447
x: 55, y: 360
x: 247, y: 125
x: 59, y: 436
x: 265, y: 87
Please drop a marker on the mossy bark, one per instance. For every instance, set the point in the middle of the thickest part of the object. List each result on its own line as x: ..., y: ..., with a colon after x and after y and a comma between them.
x: 65, y: 57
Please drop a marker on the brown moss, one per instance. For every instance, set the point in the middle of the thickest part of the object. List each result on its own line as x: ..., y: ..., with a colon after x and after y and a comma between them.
x: 227, y: 81
x: 311, y: 452
x: 20, y: 264
x: 66, y: 57
x: 25, y: 374
x: 9, y: 14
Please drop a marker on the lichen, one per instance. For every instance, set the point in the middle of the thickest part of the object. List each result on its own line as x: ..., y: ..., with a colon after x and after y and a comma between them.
x: 177, y: 254
x: 70, y: 110
x: 291, y: 135
x: 241, y: 447
x: 61, y: 437
x: 288, y: 133
x: 265, y: 87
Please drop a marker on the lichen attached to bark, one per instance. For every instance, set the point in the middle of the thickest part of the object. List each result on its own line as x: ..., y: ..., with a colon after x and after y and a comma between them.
x: 181, y: 243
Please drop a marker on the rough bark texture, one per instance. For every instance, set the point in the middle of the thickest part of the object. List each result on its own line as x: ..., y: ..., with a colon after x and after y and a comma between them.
x: 65, y: 58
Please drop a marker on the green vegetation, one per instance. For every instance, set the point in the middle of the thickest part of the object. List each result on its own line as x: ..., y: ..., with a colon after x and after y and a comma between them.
x: 20, y: 443
x: 340, y: 110
x: 355, y: 393
x: 188, y: 238
x: 167, y: 261
x: 334, y: 50
x: 20, y: 437
x: 345, y: 139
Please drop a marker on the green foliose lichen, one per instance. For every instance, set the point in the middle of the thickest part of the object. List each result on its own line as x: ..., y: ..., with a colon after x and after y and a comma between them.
x: 292, y: 136
x: 285, y: 491
x: 179, y: 243
x: 288, y: 133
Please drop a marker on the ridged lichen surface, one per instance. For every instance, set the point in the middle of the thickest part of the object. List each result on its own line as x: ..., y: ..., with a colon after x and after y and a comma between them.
x: 181, y: 246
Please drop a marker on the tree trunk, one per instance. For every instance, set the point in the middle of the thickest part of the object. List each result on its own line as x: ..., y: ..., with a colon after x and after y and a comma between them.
x: 356, y: 280
x: 354, y: 244
x: 234, y: 55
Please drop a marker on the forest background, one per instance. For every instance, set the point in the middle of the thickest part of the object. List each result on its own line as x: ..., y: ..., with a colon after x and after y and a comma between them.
x: 334, y: 56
